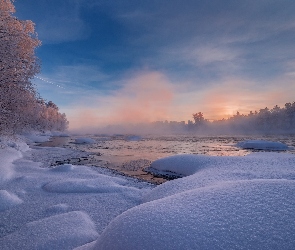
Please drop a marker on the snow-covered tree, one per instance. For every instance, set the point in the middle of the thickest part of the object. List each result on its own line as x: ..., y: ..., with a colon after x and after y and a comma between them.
x: 198, y: 117
x: 20, y: 106
x: 18, y: 40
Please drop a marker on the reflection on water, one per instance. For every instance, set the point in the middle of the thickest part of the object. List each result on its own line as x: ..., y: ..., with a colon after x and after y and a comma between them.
x: 120, y: 148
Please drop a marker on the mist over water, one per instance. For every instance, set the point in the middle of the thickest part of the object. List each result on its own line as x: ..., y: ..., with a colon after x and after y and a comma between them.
x: 122, y: 148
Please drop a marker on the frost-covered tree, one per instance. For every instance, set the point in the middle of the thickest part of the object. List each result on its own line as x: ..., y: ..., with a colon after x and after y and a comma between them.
x: 18, y: 40
x: 18, y: 109
x: 20, y: 106
x: 50, y: 118
x: 198, y: 117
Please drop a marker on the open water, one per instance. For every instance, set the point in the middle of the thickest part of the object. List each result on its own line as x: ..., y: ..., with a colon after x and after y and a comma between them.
x: 124, y: 148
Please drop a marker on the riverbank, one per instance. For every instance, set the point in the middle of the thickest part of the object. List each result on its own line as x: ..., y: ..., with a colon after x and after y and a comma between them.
x: 242, y: 201
x: 57, y: 207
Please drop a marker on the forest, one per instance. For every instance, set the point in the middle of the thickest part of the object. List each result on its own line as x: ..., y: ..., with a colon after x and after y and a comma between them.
x: 275, y: 120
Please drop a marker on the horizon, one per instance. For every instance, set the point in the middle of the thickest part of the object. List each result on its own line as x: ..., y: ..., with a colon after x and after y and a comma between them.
x: 115, y: 63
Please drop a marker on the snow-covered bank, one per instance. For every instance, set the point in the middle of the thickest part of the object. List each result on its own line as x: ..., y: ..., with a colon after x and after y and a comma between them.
x: 58, y: 208
x: 222, y: 203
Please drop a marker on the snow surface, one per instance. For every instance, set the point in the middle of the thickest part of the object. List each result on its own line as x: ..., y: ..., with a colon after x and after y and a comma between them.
x: 254, y: 214
x: 57, y: 208
x: 8, y: 200
x: 262, y: 145
x: 37, y: 138
x: 222, y: 203
x: 63, y: 231
x: 84, y: 141
x: 183, y: 164
x: 228, y: 203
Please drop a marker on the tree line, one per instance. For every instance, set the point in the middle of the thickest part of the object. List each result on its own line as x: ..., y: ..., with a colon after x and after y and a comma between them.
x: 21, y: 107
x: 273, y: 120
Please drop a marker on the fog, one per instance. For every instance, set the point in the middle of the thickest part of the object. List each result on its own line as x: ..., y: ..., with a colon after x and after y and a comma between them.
x: 149, y: 96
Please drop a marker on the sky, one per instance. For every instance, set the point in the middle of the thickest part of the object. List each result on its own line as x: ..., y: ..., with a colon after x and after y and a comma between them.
x: 114, y: 62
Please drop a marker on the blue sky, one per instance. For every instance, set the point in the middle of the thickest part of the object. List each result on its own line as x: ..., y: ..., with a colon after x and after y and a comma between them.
x: 131, y: 61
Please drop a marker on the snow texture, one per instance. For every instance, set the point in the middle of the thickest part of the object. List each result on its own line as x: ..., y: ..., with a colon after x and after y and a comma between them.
x: 7, y: 156
x: 228, y: 203
x: 61, y: 231
x: 8, y: 200
x: 37, y: 138
x: 97, y: 185
x: 183, y: 164
x: 262, y: 145
x: 57, y: 208
x: 256, y: 214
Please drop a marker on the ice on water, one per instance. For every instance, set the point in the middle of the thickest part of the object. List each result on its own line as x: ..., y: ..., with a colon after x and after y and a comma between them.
x: 84, y: 140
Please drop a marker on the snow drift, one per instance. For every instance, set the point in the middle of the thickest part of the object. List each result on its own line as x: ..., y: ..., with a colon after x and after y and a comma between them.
x: 262, y: 145
x: 233, y: 215
x: 227, y: 203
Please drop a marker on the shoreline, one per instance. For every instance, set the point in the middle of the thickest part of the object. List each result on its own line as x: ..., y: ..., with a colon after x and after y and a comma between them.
x: 134, y: 169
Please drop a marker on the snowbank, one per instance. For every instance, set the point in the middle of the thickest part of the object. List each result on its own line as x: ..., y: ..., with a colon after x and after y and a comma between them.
x: 63, y: 231
x: 57, y: 208
x: 9, y: 152
x: 8, y: 200
x: 222, y: 169
x: 84, y: 141
x: 262, y: 145
x: 37, y: 138
x: 222, y: 203
x: 97, y: 185
x: 229, y: 203
x: 182, y: 164
x: 257, y: 214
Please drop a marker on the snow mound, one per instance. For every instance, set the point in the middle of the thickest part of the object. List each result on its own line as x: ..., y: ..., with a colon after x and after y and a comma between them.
x: 64, y: 231
x: 8, y: 200
x: 262, y: 165
x: 84, y: 141
x: 7, y: 156
x: 262, y: 145
x: 20, y: 146
x: 63, y: 168
x: 254, y: 214
x: 183, y: 164
x: 97, y: 185
x: 37, y: 138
